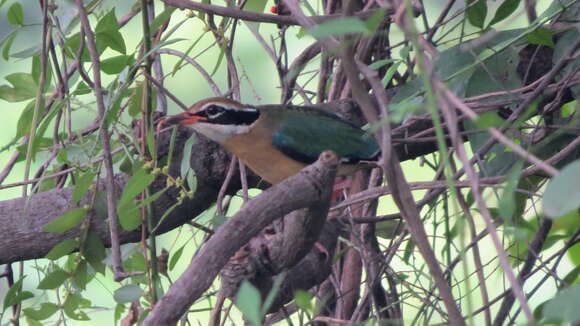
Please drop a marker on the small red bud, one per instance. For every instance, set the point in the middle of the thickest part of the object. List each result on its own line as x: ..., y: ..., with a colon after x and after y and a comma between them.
x: 274, y: 9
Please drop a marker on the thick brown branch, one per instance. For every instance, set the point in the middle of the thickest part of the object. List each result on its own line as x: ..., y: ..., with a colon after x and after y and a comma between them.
x: 309, y: 188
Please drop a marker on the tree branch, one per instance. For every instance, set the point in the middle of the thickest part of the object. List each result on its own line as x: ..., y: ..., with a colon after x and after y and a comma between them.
x: 309, y: 188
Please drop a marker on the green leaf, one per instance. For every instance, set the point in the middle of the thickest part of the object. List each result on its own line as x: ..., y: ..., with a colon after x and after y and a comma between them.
x: 129, y: 216
x: 107, y: 23
x: 46, y: 310
x: 113, y: 40
x: 15, y: 14
x: 563, y: 192
x: 255, y: 6
x: 162, y: 19
x: 35, y: 71
x: 73, y: 306
x: 186, y: 171
x: 107, y: 33
x: 119, y: 312
x: 53, y: 280
x: 73, y: 43
x: 7, y: 42
x: 66, y: 222
x: 115, y: 65
x: 135, y: 263
x: 61, y: 249
x: 94, y: 252
x: 391, y: 72
x: 488, y: 120
x: 504, y: 11
x: 541, y: 36
x: 248, y: 300
x: 477, y: 12
x: 564, y: 306
x: 25, y: 120
x: 83, y: 184
x: 135, y: 100
x: 128, y: 293
x: 340, y: 26
x: 175, y: 257
x: 136, y: 185
x: 27, y: 53
x: 574, y: 254
x: 82, y: 89
x: 304, y: 300
x: 380, y: 63
x: 15, y: 295
x: 23, y: 87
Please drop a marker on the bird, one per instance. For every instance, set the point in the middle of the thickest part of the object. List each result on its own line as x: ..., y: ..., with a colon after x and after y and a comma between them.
x: 277, y: 141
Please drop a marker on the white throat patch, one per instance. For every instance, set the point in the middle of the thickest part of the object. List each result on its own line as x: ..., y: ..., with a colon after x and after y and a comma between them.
x: 220, y: 133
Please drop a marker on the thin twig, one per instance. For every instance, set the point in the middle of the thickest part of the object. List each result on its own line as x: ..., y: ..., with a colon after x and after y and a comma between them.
x: 104, y: 135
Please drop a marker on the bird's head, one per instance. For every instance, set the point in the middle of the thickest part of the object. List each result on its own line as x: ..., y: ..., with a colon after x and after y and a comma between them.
x: 217, y: 118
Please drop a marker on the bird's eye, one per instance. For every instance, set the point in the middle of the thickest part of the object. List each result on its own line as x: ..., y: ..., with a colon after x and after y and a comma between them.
x: 213, y: 110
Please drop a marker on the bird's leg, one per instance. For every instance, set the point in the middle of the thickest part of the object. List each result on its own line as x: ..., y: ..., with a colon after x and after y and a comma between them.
x: 340, y: 184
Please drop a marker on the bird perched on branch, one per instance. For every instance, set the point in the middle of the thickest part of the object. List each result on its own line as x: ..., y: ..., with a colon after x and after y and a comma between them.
x: 277, y: 141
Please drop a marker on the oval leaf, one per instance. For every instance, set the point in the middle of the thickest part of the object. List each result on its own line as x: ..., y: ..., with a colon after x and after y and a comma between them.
x: 136, y: 185
x: 83, y: 184
x: 564, y: 306
x: 249, y: 301
x: 61, y: 249
x: 67, y: 221
x: 476, y: 12
x: 563, y: 193
x: 128, y: 293
x: 338, y: 27
x: 504, y: 11
x: 46, y: 310
x: 15, y: 14
x: 53, y: 280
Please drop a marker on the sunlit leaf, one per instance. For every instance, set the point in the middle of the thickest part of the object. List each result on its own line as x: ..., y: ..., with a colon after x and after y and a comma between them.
x: 304, y: 300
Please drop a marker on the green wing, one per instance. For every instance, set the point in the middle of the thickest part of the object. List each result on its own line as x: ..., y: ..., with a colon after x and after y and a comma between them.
x: 303, y: 133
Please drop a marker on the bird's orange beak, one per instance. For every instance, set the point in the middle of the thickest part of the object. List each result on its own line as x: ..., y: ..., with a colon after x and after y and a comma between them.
x: 184, y: 118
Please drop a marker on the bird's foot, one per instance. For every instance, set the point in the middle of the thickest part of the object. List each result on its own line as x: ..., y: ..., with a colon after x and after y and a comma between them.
x: 323, y: 251
x: 339, y: 185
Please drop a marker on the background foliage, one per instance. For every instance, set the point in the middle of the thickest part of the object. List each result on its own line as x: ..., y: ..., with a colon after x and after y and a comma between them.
x: 488, y: 89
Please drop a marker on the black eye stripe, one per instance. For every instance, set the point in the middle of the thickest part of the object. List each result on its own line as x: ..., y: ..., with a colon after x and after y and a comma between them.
x: 224, y: 115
